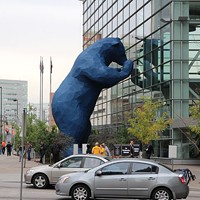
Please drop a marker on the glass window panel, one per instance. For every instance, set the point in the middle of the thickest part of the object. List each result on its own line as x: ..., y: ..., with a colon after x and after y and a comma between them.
x: 92, y: 162
x: 72, y: 163
x: 143, y: 168
x: 115, y: 169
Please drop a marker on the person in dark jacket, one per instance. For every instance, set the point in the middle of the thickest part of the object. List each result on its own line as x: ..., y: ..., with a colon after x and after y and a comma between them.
x: 131, y: 149
x: 88, y: 149
x: 28, y: 150
x: 9, y: 148
x: 149, y: 151
x: 55, y: 150
x: 42, y: 151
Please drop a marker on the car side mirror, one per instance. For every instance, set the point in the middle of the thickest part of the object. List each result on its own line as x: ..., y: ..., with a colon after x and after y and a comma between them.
x: 59, y: 165
x: 99, y: 173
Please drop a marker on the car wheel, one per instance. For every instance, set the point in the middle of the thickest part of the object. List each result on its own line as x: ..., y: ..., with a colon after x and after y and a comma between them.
x: 40, y: 181
x: 80, y: 192
x: 161, y: 194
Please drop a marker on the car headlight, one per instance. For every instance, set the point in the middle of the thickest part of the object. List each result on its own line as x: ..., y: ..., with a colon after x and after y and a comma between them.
x: 30, y: 171
x: 63, y: 179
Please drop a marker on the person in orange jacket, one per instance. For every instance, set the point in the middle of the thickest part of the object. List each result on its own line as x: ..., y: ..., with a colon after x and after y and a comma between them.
x: 3, y: 147
x: 96, y: 149
x: 103, y: 150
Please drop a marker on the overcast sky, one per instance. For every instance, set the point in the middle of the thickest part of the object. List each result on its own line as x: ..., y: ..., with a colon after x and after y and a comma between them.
x: 33, y: 28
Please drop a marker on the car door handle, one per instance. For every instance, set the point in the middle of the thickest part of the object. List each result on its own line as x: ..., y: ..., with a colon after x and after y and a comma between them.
x: 151, y: 178
x: 122, y: 179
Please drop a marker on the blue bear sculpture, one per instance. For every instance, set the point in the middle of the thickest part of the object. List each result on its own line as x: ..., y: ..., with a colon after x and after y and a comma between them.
x: 75, y: 99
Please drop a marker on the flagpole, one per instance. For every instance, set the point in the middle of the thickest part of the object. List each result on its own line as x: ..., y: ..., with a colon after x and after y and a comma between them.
x: 41, y: 88
x: 42, y: 116
x: 50, y: 111
x: 51, y: 66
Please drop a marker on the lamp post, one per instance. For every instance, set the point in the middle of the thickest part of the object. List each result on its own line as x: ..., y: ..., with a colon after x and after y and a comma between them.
x: 17, y: 118
x: 16, y: 100
x: 1, y: 124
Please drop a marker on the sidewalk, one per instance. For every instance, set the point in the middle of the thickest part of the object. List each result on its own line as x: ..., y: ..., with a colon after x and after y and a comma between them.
x: 11, y: 165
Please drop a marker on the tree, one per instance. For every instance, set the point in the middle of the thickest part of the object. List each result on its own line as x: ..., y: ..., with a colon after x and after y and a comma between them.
x: 147, y: 121
x: 37, y: 131
x: 122, y: 136
x: 194, y: 134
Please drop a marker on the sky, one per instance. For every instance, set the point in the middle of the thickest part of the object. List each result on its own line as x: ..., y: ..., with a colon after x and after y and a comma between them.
x: 30, y: 29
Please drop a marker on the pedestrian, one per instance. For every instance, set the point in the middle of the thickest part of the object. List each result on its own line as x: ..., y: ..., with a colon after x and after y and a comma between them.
x: 88, y: 149
x: 42, y: 151
x: 9, y: 149
x: 21, y: 153
x: 55, y: 150
x: 107, y: 150
x: 28, y: 150
x: 103, y: 150
x: 3, y: 147
x: 131, y: 149
x: 0, y: 148
x: 96, y: 149
x: 149, y: 151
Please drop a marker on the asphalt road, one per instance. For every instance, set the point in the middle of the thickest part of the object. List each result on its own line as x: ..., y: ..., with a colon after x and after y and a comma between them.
x: 10, y: 183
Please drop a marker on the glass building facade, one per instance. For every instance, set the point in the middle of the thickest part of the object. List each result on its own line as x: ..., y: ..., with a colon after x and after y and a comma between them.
x: 162, y: 38
x: 14, y: 98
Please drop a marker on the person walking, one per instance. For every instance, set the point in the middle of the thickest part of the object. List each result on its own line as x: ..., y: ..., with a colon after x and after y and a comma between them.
x: 131, y: 149
x: 55, y: 150
x: 107, y: 150
x: 3, y: 147
x: 149, y: 151
x: 21, y: 153
x: 28, y: 150
x: 9, y: 149
x: 42, y: 151
x: 0, y: 148
x: 88, y: 149
x: 103, y: 150
x: 96, y: 149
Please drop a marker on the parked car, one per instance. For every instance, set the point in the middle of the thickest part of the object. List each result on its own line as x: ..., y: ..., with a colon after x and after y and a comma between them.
x: 44, y: 175
x: 124, y: 178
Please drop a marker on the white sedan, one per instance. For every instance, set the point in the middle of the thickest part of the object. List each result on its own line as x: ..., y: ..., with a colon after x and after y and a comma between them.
x: 44, y: 175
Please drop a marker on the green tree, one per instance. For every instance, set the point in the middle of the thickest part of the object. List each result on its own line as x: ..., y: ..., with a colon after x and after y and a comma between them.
x: 146, y: 122
x: 122, y: 136
x: 37, y: 131
x: 193, y: 134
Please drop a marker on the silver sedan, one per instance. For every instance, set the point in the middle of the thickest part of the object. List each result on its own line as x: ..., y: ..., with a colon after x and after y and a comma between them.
x: 124, y: 178
x: 44, y: 175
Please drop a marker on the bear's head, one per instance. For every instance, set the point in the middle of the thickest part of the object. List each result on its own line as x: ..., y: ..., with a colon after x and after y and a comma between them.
x: 117, y: 52
x: 111, y: 49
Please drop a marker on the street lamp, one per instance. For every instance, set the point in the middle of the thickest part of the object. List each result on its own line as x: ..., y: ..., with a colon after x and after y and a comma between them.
x: 17, y: 119
x: 1, y: 124
x: 16, y: 100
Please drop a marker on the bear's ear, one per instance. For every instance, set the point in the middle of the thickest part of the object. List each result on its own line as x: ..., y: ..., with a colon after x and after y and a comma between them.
x: 116, y: 41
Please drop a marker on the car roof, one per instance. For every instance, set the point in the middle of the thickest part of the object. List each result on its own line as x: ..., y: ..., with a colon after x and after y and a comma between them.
x: 139, y: 160
x: 103, y: 158
x: 87, y: 155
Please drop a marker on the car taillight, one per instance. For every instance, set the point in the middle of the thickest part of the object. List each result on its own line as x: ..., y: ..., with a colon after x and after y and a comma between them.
x: 182, y: 179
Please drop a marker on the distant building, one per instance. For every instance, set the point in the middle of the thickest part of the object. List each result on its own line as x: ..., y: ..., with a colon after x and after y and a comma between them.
x: 45, y: 111
x: 14, y: 99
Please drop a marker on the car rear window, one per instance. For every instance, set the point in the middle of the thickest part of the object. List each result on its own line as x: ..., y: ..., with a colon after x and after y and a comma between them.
x: 143, y: 168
